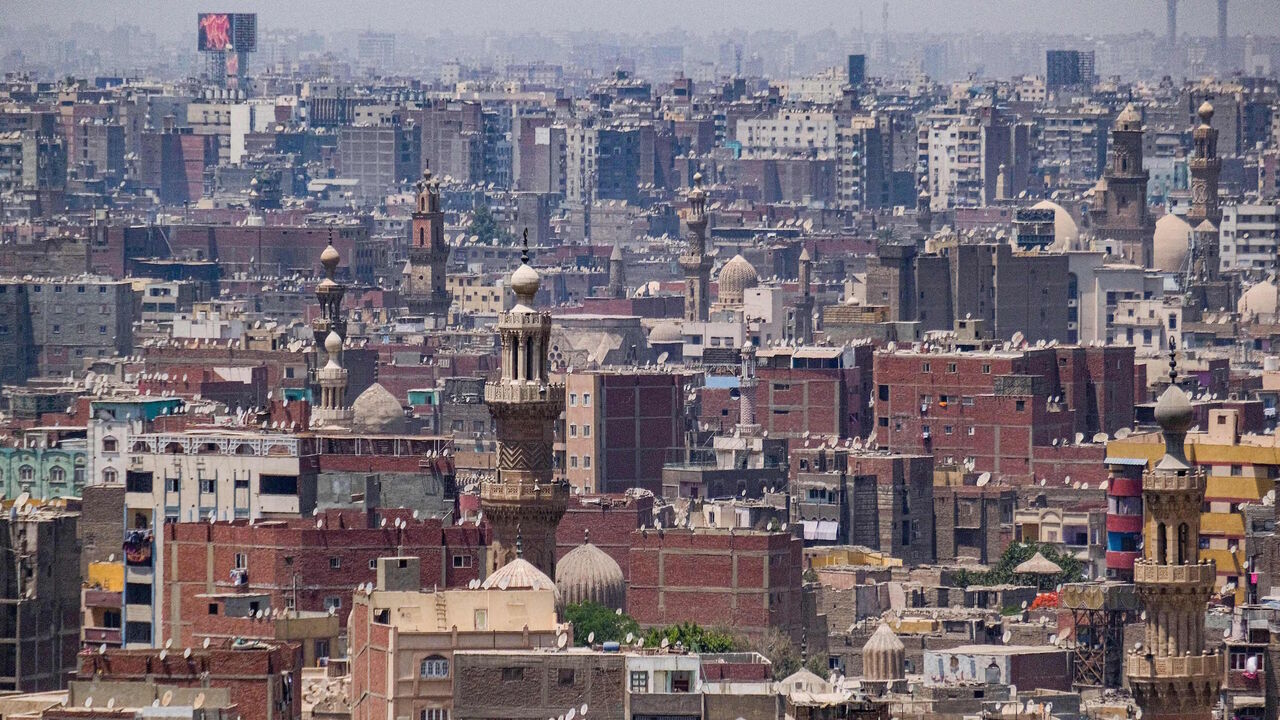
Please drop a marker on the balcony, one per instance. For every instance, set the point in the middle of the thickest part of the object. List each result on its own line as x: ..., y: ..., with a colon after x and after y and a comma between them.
x: 1245, y: 680
x: 100, y: 635
x: 1168, y: 669
x: 1192, y: 481
x: 1195, y: 575
x: 101, y: 599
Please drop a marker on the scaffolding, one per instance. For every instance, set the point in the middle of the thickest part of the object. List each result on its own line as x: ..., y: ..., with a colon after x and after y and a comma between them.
x: 1099, y: 612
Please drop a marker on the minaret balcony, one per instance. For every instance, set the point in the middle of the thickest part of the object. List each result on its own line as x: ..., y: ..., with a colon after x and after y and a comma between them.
x: 1168, y: 668
x: 518, y: 321
x: 523, y: 493
x: 1158, y: 481
x: 523, y: 393
x: 1149, y: 573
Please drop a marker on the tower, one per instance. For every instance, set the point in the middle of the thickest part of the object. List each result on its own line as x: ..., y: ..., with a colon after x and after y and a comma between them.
x: 747, y: 384
x: 695, y: 262
x: 1120, y: 198
x: 525, y: 499
x: 424, y: 275
x: 804, y: 305
x: 330, y: 330
x: 1205, y: 169
x: 329, y: 293
x: 924, y: 211
x: 617, y: 274
x: 1171, y: 673
x: 332, y: 409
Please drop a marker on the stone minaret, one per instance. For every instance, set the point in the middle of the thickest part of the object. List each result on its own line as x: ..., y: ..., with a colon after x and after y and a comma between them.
x: 1205, y: 168
x: 804, y: 306
x: 424, y: 284
x: 329, y: 294
x: 695, y: 262
x: 332, y: 410
x: 748, y: 385
x: 1120, y: 199
x: 1172, y: 674
x: 526, y: 498
x: 617, y: 274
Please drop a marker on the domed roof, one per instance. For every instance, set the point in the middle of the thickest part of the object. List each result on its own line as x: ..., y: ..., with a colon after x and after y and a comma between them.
x: 1205, y: 112
x: 1173, y: 410
x: 329, y: 258
x: 735, y: 277
x: 525, y: 282
x: 1260, y: 300
x: 883, y: 655
x: 665, y: 332
x: 1172, y: 243
x: 519, y: 574
x: 377, y: 411
x: 1065, y: 231
x: 587, y: 573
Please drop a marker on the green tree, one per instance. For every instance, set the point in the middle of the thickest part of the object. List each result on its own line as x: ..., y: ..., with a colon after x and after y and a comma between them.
x: 694, y: 638
x: 1002, y: 572
x: 485, y: 226
x: 607, y: 625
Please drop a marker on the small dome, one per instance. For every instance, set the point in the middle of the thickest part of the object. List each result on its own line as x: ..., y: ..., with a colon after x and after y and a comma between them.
x: 665, y: 332
x: 1065, y: 231
x: 1259, y: 300
x: 377, y: 411
x: 1205, y: 112
x: 333, y: 343
x: 1171, y: 244
x: 1129, y: 119
x: 1173, y: 411
x: 587, y: 574
x: 329, y: 258
x: 883, y: 656
x: 735, y: 278
x: 525, y: 282
x: 519, y: 574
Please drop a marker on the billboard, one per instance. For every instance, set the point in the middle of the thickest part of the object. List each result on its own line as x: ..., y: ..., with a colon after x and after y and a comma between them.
x: 227, y: 31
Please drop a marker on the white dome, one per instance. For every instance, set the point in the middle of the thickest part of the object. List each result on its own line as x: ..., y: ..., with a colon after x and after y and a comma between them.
x: 1171, y: 244
x: 525, y: 282
x: 1259, y: 300
x: 377, y: 411
x: 588, y: 574
x: 519, y: 574
x: 1065, y: 231
x: 665, y: 332
x: 332, y: 343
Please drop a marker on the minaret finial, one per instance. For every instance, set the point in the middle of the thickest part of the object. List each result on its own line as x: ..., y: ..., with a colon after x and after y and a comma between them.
x: 1173, y: 361
x: 519, y: 543
x: 524, y: 255
x: 586, y: 536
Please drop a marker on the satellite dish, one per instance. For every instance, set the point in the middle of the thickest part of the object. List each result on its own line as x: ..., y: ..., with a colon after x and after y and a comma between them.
x: 630, y: 636
x: 1053, y: 639
x: 591, y: 637
x: 983, y: 479
x: 111, y: 703
x: 168, y: 643
x: 163, y: 654
x: 562, y: 640
x: 198, y: 702
x: 665, y: 642
x: 166, y: 698
x: 1024, y: 604
x: 21, y: 499
x: 570, y: 715
x: 1079, y: 438
x: 1006, y: 636
x: 582, y: 710
x: 1104, y: 485
x: 205, y: 644
x: 88, y: 701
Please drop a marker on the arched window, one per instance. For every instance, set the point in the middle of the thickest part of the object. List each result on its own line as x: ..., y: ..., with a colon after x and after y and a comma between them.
x: 1184, y: 544
x: 57, y: 475
x: 26, y: 473
x: 1162, y: 544
x: 434, y: 668
x: 109, y: 475
x: 109, y: 444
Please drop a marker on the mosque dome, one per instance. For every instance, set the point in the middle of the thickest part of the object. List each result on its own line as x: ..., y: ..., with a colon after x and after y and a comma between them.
x: 735, y: 278
x: 665, y: 333
x: 519, y: 574
x: 329, y: 258
x: 525, y: 282
x: 1171, y: 244
x: 883, y: 656
x: 377, y: 411
x: 1065, y: 231
x: 1173, y: 410
x: 1261, y: 300
x: 587, y: 574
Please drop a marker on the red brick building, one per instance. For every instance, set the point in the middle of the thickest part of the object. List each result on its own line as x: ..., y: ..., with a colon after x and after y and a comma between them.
x: 263, y: 679
x: 995, y: 408
x: 611, y: 520
x: 744, y: 581
x: 298, y: 565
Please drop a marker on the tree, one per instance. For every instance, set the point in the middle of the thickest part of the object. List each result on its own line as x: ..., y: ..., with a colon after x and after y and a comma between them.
x: 694, y: 638
x: 1001, y: 573
x: 485, y: 226
x: 607, y: 625
x: 785, y: 657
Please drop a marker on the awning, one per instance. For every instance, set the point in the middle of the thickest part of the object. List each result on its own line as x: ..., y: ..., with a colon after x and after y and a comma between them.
x: 820, y: 529
x: 1247, y: 701
x: 1135, y: 462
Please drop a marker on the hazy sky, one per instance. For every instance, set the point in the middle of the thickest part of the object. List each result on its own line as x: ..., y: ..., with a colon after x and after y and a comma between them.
x: 430, y: 17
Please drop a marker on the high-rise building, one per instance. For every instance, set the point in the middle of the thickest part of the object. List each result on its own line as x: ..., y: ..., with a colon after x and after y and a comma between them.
x: 1067, y: 68
x: 1120, y: 213
x: 525, y: 500
x: 1173, y: 674
x: 857, y: 69
x: 425, y: 288
x: 695, y: 262
x: 376, y: 51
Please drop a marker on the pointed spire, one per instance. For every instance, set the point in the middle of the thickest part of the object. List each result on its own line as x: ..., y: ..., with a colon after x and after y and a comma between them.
x: 1174, y: 413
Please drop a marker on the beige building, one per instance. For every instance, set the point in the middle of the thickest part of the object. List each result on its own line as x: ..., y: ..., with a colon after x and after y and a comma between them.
x: 401, y: 642
x: 473, y: 296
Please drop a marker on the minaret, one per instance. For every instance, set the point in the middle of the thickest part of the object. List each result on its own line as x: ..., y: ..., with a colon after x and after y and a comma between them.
x: 924, y: 211
x: 695, y: 261
x: 747, y: 385
x: 1120, y: 199
x: 332, y: 410
x: 526, y: 498
x: 804, y: 306
x: 1205, y: 168
x: 1171, y: 673
x: 329, y: 294
x: 617, y: 274
x: 424, y: 284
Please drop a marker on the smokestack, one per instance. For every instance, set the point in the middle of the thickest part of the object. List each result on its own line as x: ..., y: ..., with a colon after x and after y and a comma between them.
x: 1171, y: 20
x: 1222, y: 32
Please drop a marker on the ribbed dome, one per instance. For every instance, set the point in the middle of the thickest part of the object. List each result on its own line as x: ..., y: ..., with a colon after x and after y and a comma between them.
x: 587, y: 574
x: 1173, y: 410
x: 377, y: 411
x: 1259, y: 300
x: 736, y: 277
x: 519, y: 574
x: 1065, y: 231
x: 1171, y: 244
x: 883, y: 656
x: 665, y: 332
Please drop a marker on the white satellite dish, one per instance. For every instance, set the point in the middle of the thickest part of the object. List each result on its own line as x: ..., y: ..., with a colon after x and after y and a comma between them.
x: 167, y: 698
x: 983, y: 479
x: 205, y: 644
x: 591, y: 637
x: 198, y: 702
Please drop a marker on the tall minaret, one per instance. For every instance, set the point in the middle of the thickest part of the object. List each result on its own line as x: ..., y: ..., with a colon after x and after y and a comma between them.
x: 748, y: 384
x: 1120, y: 199
x: 526, y: 498
x: 695, y: 261
x: 1172, y: 674
x: 329, y: 294
x: 424, y: 285
x: 1205, y: 168
x: 804, y: 306
x: 617, y: 274
x: 332, y: 410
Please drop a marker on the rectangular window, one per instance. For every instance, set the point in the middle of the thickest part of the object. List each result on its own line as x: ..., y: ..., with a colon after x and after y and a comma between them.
x: 137, y: 594
x: 1020, y: 405
x: 573, y: 431
x: 951, y: 367
x: 573, y: 461
x: 206, y: 486
x: 924, y: 367
x: 482, y: 619
x: 335, y: 563
x: 883, y: 392
x: 213, y: 608
x: 986, y: 369
x: 565, y: 676
x: 586, y: 431
x: 639, y: 681
x: 278, y: 484
x: 586, y: 461
x: 586, y: 399
x: 512, y: 674
x: 242, y: 561
x: 137, y: 482
x: 462, y: 561
x: 333, y: 602
x: 573, y: 399
x: 173, y: 485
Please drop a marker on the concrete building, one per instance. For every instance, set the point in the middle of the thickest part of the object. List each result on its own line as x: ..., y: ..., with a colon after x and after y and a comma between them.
x: 380, y: 157
x: 39, y: 597
x: 75, y: 320
x: 1250, y: 237
x: 972, y: 521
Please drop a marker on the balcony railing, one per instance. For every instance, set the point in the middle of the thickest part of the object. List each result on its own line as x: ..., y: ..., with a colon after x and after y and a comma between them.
x: 1167, y: 668
x: 98, y: 635
x: 1150, y: 573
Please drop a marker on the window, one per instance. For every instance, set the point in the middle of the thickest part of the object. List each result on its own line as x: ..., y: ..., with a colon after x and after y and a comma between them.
x: 986, y: 369
x: 512, y: 674
x: 639, y: 681
x: 57, y: 475
x: 586, y: 431
x: 573, y: 399
x: 481, y: 619
x: 137, y: 482
x: 883, y: 391
x: 434, y: 668
x: 373, y: 564
x: 565, y: 676
x: 213, y: 608
x: 1020, y: 405
x: 335, y: 563
x: 586, y: 461
x: 26, y: 473
x: 573, y: 431
x: 431, y: 713
x: 586, y: 399
x: 206, y: 485
x: 573, y: 461
x: 951, y: 367
x: 109, y: 444
x: 924, y: 367
x: 278, y: 485
x: 242, y: 561
x: 172, y: 484
x: 137, y: 594
x: 462, y: 561
x: 109, y: 475
x: 333, y: 602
